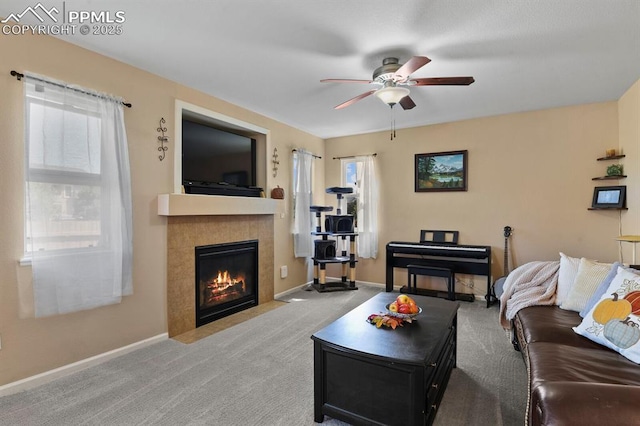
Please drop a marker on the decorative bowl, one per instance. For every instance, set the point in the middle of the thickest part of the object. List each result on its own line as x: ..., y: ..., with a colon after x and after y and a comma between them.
x: 402, y: 316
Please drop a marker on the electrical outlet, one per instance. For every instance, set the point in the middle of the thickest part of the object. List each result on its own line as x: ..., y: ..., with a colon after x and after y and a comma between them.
x: 284, y: 271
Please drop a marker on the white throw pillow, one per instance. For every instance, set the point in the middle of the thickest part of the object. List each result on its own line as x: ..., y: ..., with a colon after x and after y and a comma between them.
x: 615, y: 320
x: 604, y: 285
x: 566, y: 276
x: 590, y: 275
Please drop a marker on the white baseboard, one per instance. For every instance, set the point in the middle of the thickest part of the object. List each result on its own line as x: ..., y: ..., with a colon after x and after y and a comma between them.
x: 478, y: 297
x: 291, y: 290
x: 48, y: 376
x: 301, y: 286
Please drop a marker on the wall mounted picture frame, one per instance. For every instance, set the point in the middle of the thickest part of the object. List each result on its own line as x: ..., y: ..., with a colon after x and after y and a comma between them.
x: 609, y: 197
x: 441, y: 171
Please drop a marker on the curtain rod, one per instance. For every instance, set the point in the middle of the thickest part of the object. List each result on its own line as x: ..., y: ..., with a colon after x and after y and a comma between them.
x: 375, y: 154
x: 20, y: 76
x: 313, y: 155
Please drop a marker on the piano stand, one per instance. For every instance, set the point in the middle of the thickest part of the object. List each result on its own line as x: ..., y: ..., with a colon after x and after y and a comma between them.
x: 432, y: 271
x: 467, y: 259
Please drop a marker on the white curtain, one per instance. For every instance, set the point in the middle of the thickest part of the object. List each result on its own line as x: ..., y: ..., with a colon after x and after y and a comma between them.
x: 78, y: 197
x: 302, y: 221
x: 368, y: 201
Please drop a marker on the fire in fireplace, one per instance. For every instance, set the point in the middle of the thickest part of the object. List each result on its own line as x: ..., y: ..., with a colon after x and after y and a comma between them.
x: 226, y: 279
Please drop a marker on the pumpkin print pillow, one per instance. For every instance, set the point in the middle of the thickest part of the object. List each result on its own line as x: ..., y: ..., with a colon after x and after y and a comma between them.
x: 614, y: 321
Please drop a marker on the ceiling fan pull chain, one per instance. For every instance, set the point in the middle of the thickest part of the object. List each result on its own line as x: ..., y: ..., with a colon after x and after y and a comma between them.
x: 391, y: 130
x: 393, y: 123
x: 394, y: 128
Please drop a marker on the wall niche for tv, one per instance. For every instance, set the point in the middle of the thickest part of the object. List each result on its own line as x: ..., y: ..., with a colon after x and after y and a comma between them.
x: 218, y: 155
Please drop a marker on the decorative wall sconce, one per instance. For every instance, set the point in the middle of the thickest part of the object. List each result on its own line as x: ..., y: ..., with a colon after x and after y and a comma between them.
x: 275, y: 162
x: 162, y: 139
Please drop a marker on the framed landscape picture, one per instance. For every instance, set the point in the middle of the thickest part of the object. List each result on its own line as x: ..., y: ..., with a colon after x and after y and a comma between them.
x: 441, y: 171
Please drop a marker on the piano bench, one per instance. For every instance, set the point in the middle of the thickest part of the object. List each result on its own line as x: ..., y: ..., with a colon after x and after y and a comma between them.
x: 432, y: 271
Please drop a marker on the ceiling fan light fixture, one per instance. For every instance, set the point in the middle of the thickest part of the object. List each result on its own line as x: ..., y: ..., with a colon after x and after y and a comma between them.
x: 392, y: 95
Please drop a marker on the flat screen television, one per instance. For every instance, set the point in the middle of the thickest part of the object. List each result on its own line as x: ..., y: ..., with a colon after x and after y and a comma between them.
x: 216, y: 159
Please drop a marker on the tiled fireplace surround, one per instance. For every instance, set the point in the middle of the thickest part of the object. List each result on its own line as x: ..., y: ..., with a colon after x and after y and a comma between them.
x: 184, y: 233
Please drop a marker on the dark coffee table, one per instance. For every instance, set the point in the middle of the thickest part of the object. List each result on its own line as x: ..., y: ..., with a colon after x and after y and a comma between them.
x: 379, y: 376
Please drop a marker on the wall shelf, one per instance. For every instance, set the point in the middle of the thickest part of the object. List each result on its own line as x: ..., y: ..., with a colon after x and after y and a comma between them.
x: 613, y: 157
x: 609, y: 177
x: 608, y: 208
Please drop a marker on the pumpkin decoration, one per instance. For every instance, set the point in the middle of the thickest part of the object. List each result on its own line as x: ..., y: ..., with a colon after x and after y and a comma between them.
x: 634, y: 299
x: 277, y: 193
x: 609, y: 309
x: 623, y: 334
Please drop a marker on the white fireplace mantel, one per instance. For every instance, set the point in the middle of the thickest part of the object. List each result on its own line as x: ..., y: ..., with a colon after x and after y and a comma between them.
x: 211, y: 205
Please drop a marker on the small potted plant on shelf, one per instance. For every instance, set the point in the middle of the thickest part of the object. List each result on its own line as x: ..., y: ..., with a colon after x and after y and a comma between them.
x: 614, y: 170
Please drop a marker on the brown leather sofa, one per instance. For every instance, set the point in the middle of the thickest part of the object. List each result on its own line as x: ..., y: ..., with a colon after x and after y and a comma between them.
x: 572, y: 380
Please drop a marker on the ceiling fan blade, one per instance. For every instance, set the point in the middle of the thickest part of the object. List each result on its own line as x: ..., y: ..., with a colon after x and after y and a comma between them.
x: 344, y: 80
x: 407, y: 103
x: 442, y: 81
x: 411, y: 66
x: 354, y: 100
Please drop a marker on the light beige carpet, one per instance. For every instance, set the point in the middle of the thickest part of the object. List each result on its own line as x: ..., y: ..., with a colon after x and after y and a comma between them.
x: 260, y: 372
x: 226, y: 322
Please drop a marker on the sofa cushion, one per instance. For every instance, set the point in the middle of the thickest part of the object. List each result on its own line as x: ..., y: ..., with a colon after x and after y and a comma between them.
x: 566, y: 276
x: 549, y: 324
x: 590, y: 275
x: 578, y: 403
x: 614, y: 321
x: 552, y: 362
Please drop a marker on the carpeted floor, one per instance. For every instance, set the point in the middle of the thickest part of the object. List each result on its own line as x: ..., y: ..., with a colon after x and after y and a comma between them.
x: 489, y: 387
x: 227, y: 322
x: 260, y: 372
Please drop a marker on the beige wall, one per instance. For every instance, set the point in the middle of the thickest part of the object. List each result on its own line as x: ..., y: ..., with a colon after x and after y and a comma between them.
x: 629, y: 123
x: 531, y: 171
x: 31, y: 346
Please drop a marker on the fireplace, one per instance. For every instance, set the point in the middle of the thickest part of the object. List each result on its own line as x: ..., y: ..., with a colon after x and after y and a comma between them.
x: 226, y: 279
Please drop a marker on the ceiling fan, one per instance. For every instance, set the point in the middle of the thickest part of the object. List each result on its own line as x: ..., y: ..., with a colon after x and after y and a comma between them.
x: 394, y: 78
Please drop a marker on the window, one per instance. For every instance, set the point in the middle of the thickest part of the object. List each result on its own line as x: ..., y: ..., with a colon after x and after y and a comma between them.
x: 350, y: 170
x: 302, y: 196
x: 78, y: 215
x: 359, y: 173
x: 298, y: 182
x: 63, y: 169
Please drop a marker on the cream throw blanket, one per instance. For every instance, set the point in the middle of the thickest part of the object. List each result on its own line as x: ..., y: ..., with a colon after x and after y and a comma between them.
x: 531, y: 284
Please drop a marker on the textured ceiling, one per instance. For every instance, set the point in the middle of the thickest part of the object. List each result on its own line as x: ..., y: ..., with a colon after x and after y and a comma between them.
x: 269, y: 56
